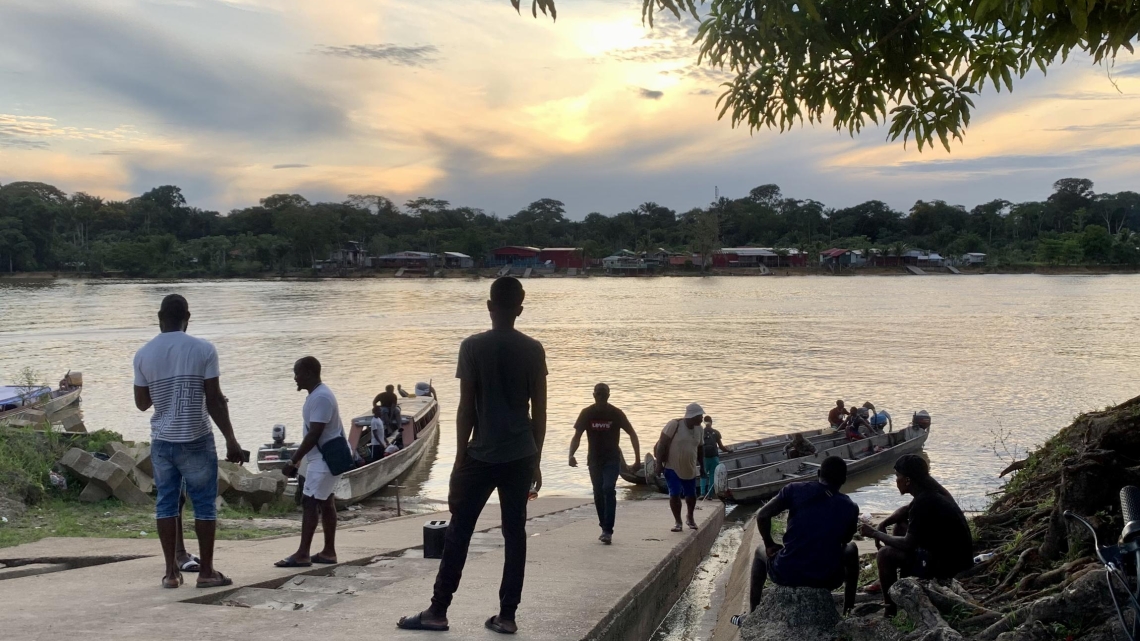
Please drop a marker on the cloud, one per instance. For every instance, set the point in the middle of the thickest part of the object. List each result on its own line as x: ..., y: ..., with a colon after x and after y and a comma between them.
x: 34, y: 132
x: 1012, y: 163
x: 702, y: 92
x: 103, y: 54
x: 290, y: 166
x: 650, y: 94
x: 414, y: 56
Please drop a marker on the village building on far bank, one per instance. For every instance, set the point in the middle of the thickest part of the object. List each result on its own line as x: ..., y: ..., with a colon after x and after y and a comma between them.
x: 456, y: 260
x: 758, y: 257
x: 406, y: 259
x: 837, y: 257
x: 514, y: 255
x: 972, y: 259
x: 562, y: 257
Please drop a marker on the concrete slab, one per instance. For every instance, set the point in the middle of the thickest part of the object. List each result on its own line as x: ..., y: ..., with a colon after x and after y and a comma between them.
x: 576, y: 587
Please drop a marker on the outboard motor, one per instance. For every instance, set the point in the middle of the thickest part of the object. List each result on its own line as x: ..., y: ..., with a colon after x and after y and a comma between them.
x: 278, y: 435
x: 921, y: 419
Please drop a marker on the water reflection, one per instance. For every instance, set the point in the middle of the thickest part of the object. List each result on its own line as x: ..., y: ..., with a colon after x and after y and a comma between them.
x: 763, y: 355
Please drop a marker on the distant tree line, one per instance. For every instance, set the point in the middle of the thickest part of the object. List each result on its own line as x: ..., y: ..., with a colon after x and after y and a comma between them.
x: 160, y: 234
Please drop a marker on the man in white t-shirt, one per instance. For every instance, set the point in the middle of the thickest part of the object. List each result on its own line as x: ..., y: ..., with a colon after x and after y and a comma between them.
x: 321, y: 418
x: 178, y: 375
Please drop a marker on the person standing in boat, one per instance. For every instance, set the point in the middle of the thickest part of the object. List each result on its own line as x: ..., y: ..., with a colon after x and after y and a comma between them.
x: 711, y: 447
x: 501, y: 426
x: 178, y: 375
x: 836, y: 415
x: 322, y: 426
x: 603, y: 424
x: 677, y: 451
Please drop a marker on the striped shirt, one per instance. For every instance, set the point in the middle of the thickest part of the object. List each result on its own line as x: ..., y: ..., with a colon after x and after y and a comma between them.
x: 174, y: 366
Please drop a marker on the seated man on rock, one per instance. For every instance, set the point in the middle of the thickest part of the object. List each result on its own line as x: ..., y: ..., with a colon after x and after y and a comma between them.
x: 817, y: 550
x: 937, y: 543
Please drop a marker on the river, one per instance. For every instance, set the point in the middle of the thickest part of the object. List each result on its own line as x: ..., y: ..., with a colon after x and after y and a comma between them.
x: 1012, y: 355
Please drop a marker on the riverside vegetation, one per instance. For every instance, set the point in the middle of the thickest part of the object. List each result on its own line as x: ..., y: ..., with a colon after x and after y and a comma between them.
x: 160, y: 234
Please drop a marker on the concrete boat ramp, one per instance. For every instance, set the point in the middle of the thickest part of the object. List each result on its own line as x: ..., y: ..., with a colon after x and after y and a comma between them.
x: 576, y: 588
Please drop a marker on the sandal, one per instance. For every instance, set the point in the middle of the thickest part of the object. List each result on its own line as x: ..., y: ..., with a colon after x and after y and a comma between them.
x: 317, y: 558
x: 192, y: 564
x: 290, y: 562
x: 416, y: 622
x: 170, y: 583
x: 494, y: 625
x: 692, y: 525
x: 677, y: 528
x: 218, y: 581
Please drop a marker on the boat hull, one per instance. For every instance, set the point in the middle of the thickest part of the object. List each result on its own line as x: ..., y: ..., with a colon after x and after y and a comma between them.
x: 358, y: 484
x: 57, y: 402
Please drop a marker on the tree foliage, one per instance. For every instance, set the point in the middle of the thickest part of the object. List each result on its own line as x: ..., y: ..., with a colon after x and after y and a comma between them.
x: 914, y: 63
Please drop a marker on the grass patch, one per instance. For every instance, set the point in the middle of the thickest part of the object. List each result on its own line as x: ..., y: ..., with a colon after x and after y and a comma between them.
x: 112, y: 519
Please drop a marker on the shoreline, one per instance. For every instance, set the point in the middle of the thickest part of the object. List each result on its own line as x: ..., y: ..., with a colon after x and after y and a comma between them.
x: 782, y: 272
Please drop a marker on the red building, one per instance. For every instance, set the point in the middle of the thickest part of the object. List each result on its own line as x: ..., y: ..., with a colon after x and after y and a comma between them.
x: 515, y: 255
x: 563, y: 257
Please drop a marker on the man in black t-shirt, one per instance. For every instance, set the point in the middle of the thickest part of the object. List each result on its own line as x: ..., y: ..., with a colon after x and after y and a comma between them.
x: 501, y: 426
x: 603, y: 424
x: 937, y: 544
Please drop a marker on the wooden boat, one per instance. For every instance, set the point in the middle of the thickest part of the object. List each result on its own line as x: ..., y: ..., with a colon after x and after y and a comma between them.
x: 862, y: 455
x: 420, y: 419
x: 31, y: 404
x: 420, y: 425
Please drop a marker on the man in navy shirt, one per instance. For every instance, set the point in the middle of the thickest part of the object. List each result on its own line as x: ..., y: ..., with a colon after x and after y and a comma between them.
x: 817, y: 550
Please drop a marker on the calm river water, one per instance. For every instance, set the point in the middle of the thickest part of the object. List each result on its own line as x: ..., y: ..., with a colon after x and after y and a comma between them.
x: 983, y: 354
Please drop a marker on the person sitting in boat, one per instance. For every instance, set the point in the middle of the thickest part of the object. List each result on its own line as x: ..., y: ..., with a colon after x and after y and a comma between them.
x: 799, y: 447
x: 387, y: 398
x: 817, y: 550
x: 937, y: 543
x: 836, y: 415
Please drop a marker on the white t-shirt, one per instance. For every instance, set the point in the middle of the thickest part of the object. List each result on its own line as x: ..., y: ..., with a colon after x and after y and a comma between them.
x: 376, y: 428
x: 321, y: 407
x: 173, y: 366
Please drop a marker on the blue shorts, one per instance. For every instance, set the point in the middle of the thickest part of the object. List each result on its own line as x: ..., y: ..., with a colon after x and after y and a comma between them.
x: 679, y: 486
x: 194, y: 464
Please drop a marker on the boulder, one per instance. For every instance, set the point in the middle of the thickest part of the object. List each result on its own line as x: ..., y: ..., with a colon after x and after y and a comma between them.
x: 142, y: 459
x: 93, y: 494
x: 104, y: 474
x: 792, y: 614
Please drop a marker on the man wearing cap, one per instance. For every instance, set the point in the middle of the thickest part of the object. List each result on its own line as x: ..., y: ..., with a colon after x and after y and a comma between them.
x: 711, y: 447
x: 937, y: 543
x: 677, y: 451
x: 817, y: 551
x: 603, y: 424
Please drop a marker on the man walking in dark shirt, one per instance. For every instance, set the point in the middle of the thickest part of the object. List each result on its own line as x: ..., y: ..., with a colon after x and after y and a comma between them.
x: 602, y: 424
x: 501, y: 425
x: 937, y: 544
x: 817, y: 550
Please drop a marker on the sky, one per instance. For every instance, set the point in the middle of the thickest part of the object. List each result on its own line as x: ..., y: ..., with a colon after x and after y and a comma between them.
x: 234, y: 100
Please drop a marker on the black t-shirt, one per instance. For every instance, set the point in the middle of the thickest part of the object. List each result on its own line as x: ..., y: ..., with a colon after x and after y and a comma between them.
x: 506, y: 366
x: 386, y: 399
x: 711, y: 437
x: 938, y: 525
x: 602, y: 424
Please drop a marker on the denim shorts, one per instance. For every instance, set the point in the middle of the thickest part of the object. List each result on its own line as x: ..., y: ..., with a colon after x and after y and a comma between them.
x: 679, y: 486
x: 195, y: 464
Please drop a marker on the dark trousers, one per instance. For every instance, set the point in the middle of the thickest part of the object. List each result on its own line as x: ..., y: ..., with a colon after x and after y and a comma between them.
x: 604, y: 478
x: 847, y: 576
x: 471, y: 485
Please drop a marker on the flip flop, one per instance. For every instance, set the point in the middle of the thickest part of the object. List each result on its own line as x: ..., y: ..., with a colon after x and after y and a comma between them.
x: 692, y: 525
x: 415, y: 622
x: 493, y: 625
x: 193, y: 564
x: 317, y: 558
x: 677, y: 528
x: 217, y: 582
x: 290, y: 562
x: 172, y: 583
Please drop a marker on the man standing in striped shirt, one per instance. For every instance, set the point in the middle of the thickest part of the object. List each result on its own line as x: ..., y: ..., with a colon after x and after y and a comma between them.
x: 178, y: 375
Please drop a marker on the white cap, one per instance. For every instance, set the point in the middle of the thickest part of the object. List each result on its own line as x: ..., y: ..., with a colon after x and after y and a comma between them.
x: 694, y: 410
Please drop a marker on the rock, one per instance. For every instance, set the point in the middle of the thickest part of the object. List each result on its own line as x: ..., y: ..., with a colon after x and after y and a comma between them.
x: 130, y: 494
x: 123, y: 460
x: 141, y: 480
x: 110, y: 449
x: 93, y: 493
x: 142, y: 459
x: 11, y: 508
x: 792, y: 614
x: 868, y: 628
x: 104, y: 474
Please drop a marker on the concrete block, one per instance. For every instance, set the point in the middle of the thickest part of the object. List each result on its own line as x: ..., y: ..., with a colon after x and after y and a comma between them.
x: 110, y: 449
x: 123, y: 460
x: 92, y: 470
x: 130, y: 494
x: 254, y: 490
x: 224, y: 480
x: 142, y: 459
x: 141, y: 480
x: 94, y: 493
